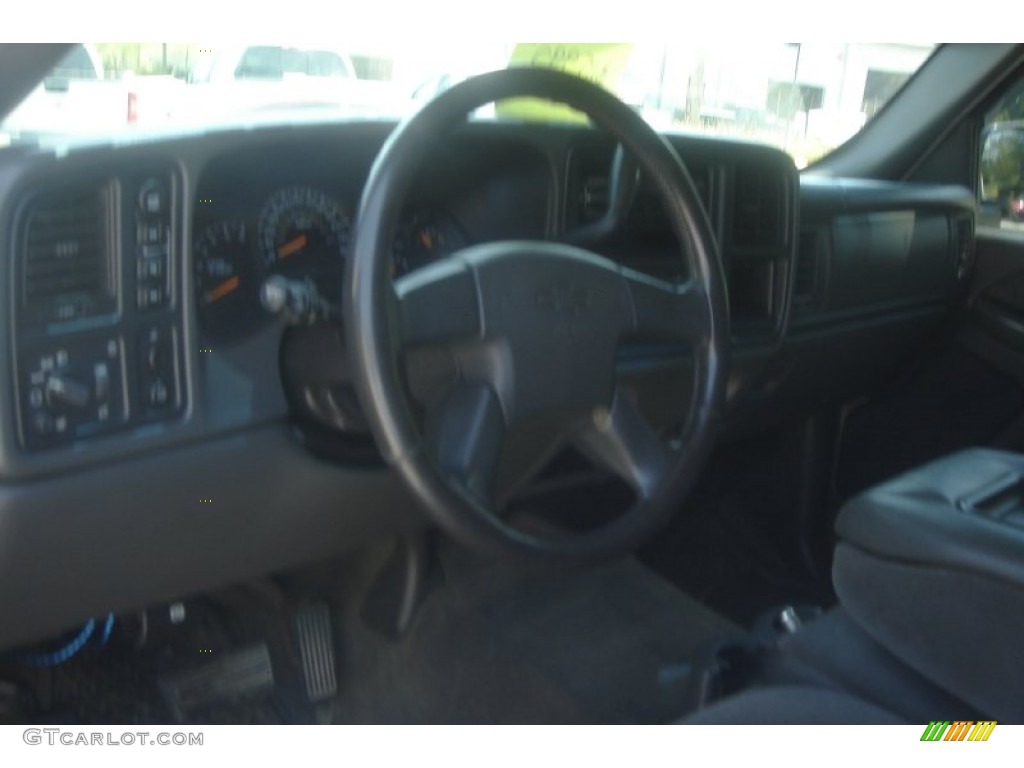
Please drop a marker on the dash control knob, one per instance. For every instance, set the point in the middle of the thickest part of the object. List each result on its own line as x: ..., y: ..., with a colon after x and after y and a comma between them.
x: 152, y: 197
x: 62, y: 390
x: 158, y: 393
x: 72, y: 392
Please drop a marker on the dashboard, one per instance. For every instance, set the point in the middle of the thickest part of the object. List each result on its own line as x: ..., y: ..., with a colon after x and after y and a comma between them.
x: 167, y: 422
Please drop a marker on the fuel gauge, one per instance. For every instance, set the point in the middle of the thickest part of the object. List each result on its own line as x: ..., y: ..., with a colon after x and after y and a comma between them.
x: 227, y: 279
x: 424, y: 238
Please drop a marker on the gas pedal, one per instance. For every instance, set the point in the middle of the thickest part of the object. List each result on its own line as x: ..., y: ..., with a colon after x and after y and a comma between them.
x: 316, y: 649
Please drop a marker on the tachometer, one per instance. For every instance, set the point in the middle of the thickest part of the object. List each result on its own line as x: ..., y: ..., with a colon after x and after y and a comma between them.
x: 305, y: 233
x: 227, y: 278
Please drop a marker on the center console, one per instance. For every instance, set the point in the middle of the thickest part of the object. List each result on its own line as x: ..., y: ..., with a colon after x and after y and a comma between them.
x: 931, y: 564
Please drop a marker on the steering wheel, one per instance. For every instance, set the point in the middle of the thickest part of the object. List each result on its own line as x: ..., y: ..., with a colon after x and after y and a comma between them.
x: 531, y: 330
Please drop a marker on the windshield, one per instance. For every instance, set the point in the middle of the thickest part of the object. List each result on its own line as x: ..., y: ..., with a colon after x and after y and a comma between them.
x: 805, y: 98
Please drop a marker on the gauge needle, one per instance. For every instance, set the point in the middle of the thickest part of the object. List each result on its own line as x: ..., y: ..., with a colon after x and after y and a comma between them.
x: 222, y: 290
x: 296, y: 244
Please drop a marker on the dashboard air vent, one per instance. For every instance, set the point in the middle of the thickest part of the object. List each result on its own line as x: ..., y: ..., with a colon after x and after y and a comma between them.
x: 593, y: 197
x: 66, y: 269
x: 808, y: 261
x: 757, y: 208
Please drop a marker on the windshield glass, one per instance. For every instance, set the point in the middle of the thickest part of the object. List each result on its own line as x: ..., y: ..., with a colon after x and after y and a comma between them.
x: 806, y: 98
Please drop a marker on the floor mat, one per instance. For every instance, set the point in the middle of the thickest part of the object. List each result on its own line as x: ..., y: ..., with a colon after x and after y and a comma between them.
x: 719, y: 553
x: 498, y: 642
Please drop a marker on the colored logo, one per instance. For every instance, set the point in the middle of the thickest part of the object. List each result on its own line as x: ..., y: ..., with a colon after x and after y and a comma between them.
x: 959, y: 730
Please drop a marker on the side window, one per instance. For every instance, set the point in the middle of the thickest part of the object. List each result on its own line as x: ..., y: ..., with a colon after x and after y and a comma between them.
x: 1001, y: 182
x: 260, y: 63
x: 326, y: 64
x: 294, y: 61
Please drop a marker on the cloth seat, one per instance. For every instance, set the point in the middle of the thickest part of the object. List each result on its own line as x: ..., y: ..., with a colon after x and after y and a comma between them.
x: 831, y: 672
x: 792, y: 705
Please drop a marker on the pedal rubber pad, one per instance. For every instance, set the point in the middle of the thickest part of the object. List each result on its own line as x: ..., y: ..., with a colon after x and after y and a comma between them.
x: 239, y: 674
x: 316, y: 649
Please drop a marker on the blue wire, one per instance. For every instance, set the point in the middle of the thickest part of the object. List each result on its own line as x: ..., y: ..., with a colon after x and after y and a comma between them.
x: 108, y: 628
x: 61, y: 655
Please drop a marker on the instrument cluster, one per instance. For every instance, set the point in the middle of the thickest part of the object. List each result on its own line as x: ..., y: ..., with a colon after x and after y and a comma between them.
x: 303, y: 235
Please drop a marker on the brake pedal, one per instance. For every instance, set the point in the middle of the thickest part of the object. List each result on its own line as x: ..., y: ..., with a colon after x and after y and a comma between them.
x: 242, y: 674
x: 316, y: 649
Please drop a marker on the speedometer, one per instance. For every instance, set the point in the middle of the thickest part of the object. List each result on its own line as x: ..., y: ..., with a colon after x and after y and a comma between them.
x: 304, y: 233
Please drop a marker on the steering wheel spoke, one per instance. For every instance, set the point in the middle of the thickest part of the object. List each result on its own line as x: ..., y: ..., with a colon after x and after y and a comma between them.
x: 620, y: 440
x: 465, y: 432
x: 668, y: 311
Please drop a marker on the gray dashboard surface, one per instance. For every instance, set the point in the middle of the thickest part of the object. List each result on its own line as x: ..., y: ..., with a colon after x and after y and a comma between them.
x: 228, y: 490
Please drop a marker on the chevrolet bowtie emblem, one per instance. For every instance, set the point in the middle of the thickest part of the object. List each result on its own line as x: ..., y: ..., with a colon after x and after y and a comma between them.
x: 569, y: 299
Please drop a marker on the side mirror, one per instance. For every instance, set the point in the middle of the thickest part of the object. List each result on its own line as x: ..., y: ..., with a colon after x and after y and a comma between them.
x: 1001, y: 171
x: 989, y: 214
